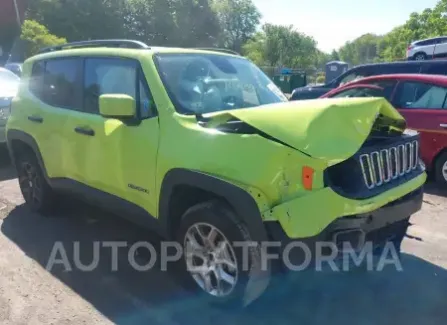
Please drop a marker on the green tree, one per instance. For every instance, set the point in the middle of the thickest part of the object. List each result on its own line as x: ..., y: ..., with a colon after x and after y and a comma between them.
x: 197, y: 23
x: 334, y: 56
x: 282, y: 46
x: 37, y: 36
x: 81, y: 19
x: 238, y: 21
x: 361, y: 50
x: 320, y: 79
x: 254, y: 49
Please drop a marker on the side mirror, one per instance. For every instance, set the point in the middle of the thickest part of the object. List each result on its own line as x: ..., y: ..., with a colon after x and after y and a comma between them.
x: 117, y: 106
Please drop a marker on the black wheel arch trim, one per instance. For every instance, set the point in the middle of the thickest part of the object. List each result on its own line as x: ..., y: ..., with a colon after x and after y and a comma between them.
x: 241, y: 201
x: 13, y: 135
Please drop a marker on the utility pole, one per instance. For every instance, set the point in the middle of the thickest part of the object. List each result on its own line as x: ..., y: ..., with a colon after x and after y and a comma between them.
x: 17, y: 13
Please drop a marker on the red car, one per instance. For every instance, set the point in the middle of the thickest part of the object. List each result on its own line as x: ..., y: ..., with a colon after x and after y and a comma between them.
x: 422, y: 100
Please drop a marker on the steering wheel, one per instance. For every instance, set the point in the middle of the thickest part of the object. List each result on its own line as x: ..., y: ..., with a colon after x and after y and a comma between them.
x: 191, y: 81
x: 232, y: 101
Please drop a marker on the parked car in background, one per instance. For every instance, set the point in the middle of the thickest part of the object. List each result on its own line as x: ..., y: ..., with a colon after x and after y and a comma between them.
x: 431, y: 48
x: 422, y: 100
x: 16, y: 68
x: 9, y: 84
x: 367, y: 70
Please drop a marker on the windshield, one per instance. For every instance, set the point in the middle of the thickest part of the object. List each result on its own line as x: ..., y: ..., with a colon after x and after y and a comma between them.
x: 352, y: 77
x: 204, y: 83
x: 7, y: 76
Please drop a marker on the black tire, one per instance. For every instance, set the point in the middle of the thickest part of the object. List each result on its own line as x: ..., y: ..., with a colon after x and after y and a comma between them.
x: 220, y: 216
x: 4, y: 156
x: 440, y: 170
x: 420, y: 56
x: 38, y: 195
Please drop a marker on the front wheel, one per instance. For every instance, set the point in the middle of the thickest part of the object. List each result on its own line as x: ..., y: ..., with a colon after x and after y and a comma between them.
x: 441, y: 170
x: 213, y: 261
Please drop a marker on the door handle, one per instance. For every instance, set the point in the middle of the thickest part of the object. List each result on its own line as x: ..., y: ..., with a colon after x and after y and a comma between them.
x: 35, y: 119
x: 443, y: 125
x: 85, y: 131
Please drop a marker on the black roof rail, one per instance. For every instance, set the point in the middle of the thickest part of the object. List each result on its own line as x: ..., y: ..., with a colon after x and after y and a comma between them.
x: 215, y: 49
x: 123, y: 43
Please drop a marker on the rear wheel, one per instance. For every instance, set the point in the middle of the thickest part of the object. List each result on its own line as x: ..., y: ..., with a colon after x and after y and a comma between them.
x: 35, y: 190
x: 420, y: 56
x: 441, y: 170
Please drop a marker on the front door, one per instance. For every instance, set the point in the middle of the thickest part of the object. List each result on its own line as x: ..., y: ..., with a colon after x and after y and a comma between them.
x: 424, y: 107
x: 114, y: 156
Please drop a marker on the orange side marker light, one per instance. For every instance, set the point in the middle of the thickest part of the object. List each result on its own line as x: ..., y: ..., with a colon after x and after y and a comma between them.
x: 308, y: 177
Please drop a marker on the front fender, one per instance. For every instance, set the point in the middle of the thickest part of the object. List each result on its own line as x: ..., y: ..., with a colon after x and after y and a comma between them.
x: 240, y: 200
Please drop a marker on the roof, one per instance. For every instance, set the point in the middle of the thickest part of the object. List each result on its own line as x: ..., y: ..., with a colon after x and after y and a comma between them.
x: 427, y: 39
x: 438, y: 79
x: 121, y: 52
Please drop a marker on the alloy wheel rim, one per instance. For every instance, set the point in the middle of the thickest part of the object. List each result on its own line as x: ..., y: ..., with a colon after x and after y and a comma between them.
x: 444, y: 170
x: 210, y: 259
x: 30, y: 184
x: 419, y: 58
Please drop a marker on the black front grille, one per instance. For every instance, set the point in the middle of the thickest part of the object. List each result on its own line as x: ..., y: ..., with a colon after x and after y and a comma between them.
x: 376, y: 167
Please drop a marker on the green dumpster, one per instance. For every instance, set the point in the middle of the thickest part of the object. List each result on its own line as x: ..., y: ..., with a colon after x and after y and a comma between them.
x: 290, y: 79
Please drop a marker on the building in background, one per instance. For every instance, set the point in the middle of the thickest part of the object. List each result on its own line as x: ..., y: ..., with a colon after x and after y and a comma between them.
x: 12, y: 13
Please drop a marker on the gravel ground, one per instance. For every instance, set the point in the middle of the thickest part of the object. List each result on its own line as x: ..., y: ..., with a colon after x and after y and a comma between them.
x: 31, y: 294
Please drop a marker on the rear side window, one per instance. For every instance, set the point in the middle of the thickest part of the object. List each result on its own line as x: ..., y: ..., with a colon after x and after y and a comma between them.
x: 61, y: 86
x: 420, y: 95
x: 36, y: 80
x: 426, y: 42
x: 434, y: 68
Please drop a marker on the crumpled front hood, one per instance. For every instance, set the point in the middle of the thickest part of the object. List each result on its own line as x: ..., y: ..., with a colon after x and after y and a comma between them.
x: 328, y: 129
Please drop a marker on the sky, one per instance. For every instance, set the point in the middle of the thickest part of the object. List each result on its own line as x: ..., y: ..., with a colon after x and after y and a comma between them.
x: 334, y: 22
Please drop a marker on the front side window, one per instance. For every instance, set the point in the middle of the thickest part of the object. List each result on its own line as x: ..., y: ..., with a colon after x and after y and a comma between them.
x: 359, y: 92
x: 387, y: 87
x: 203, y: 83
x: 421, y: 95
x: 107, y: 76
x: 116, y: 76
x: 61, y: 86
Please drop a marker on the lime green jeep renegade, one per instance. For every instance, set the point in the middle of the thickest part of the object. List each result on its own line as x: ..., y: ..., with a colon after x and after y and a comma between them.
x: 201, y: 146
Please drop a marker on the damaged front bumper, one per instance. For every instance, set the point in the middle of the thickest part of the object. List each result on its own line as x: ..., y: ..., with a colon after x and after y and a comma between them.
x: 309, y: 215
x: 385, y: 224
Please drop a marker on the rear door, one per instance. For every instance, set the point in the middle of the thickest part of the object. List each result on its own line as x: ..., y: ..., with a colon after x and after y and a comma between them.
x: 56, y: 83
x: 424, y: 107
x: 427, y: 47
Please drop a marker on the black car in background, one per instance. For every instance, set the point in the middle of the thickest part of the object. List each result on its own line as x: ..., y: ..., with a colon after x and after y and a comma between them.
x: 367, y: 70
